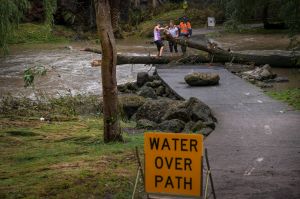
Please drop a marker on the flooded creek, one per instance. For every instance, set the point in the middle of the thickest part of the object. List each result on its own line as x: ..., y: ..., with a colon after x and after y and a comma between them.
x: 69, y: 70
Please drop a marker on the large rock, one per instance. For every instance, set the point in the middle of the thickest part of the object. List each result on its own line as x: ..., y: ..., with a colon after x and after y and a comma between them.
x: 129, y: 87
x: 147, y: 92
x: 206, y: 131
x: 146, y: 124
x: 154, y: 110
x: 154, y: 83
x: 198, y: 110
x: 177, y: 113
x: 142, y: 78
x: 198, y: 126
x: 160, y: 91
x: 202, y: 79
x: 130, y: 104
x: 174, y: 125
x: 260, y: 73
x: 210, y: 124
x: 188, y: 127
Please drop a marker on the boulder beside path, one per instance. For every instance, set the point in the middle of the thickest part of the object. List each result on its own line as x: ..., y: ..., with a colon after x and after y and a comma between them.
x: 202, y: 79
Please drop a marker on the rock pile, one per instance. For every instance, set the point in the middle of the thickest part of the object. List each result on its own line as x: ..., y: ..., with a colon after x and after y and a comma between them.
x: 260, y: 76
x: 154, y: 107
x: 176, y: 116
x: 202, y: 79
x: 259, y: 73
x: 147, y: 86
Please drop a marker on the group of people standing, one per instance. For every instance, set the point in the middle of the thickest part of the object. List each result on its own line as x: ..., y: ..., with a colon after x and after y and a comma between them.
x: 183, y: 30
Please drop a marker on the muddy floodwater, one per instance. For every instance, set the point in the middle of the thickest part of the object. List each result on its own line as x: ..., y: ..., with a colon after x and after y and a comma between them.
x: 293, y: 75
x: 69, y: 70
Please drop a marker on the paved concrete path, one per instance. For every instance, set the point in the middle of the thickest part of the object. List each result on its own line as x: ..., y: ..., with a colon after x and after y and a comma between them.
x: 255, y: 150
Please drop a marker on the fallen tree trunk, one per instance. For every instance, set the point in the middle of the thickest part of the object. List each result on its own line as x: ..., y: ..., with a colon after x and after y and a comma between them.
x: 121, y: 59
x: 124, y: 59
x: 215, y: 55
x: 219, y: 55
x: 274, y: 60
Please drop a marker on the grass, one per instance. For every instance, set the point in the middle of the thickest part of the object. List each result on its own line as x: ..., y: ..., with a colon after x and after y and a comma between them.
x: 53, y: 109
x: 65, y: 160
x: 29, y: 33
x: 291, y: 96
x: 197, y: 16
x: 146, y: 27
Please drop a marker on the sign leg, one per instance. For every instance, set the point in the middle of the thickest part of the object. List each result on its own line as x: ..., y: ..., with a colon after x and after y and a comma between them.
x: 209, y: 173
x: 140, y: 166
x: 136, y: 182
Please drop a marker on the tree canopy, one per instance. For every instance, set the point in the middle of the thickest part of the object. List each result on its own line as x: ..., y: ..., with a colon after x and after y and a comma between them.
x: 11, y: 12
x: 243, y: 11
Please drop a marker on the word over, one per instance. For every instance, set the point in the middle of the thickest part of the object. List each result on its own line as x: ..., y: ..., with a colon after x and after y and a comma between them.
x: 173, y: 163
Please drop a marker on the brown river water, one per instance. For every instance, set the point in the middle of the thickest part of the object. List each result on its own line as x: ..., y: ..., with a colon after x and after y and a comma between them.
x: 69, y: 70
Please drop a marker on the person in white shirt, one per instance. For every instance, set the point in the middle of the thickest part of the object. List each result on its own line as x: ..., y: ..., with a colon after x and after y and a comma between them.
x: 174, y: 32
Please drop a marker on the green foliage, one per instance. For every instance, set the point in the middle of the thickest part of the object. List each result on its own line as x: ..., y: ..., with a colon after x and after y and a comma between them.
x: 291, y: 96
x: 146, y: 28
x: 290, y: 12
x: 32, y: 72
x: 241, y: 10
x: 140, y: 15
x: 10, y: 14
x: 247, y: 11
x: 57, y: 109
x: 50, y: 8
x: 29, y: 33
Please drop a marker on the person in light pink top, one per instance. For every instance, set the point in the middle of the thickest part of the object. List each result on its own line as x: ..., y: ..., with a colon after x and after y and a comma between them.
x: 157, y: 39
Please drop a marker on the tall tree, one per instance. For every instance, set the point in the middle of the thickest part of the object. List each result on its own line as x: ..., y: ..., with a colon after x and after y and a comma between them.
x: 115, y: 17
x: 11, y: 12
x: 112, y: 131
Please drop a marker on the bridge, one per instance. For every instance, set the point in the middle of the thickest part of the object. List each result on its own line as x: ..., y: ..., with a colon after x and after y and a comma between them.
x: 254, y: 151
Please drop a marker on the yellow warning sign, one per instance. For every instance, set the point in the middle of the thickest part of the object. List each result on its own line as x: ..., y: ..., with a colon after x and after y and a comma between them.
x: 173, y: 163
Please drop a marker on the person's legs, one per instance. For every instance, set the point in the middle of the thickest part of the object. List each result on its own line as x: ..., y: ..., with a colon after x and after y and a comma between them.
x: 183, y: 47
x: 175, y: 47
x: 171, y: 46
x: 161, y: 45
x: 158, y: 47
x: 161, y: 51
